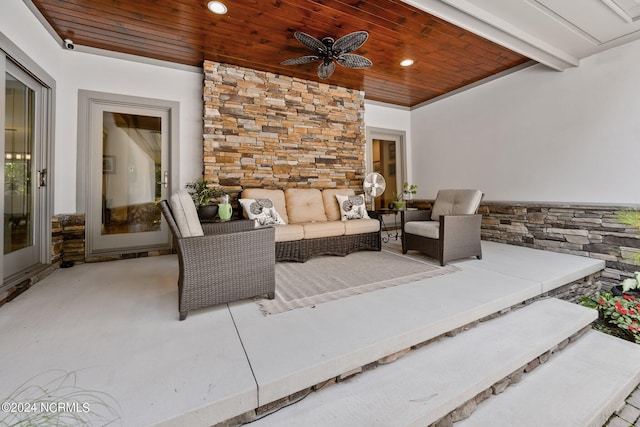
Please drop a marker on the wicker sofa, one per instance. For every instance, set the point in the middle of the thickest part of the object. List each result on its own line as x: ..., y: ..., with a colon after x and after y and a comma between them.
x: 313, y: 226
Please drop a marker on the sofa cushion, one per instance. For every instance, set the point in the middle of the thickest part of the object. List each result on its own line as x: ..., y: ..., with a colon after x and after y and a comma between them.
x: 185, y: 214
x: 314, y: 230
x: 331, y: 206
x: 456, y: 202
x: 304, y: 205
x: 430, y: 229
x: 352, y: 207
x: 359, y: 226
x: 289, y: 232
x: 261, y: 211
x: 276, y: 196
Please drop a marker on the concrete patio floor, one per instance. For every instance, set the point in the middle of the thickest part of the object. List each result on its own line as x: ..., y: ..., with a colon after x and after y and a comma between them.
x: 115, y: 325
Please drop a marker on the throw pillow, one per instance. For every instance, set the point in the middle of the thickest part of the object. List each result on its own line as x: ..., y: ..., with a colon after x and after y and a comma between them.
x: 352, y: 207
x: 261, y: 211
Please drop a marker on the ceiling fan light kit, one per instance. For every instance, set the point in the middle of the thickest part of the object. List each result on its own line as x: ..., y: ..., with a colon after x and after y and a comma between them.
x: 331, y: 51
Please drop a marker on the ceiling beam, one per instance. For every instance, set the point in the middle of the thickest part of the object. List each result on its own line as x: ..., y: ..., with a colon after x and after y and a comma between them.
x: 465, y: 14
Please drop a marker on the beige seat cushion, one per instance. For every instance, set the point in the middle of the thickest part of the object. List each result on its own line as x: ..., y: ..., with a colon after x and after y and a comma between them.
x: 358, y: 226
x: 331, y: 207
x: 304, y: 205
x: 185, y: 214
x: 313, y: 230
x: 430, y: 229
x: 456, y: 202
x: 289, y: 232
x: 276, y: 196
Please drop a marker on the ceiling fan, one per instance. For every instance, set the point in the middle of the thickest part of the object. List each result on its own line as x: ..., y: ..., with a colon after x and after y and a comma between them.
x: 373, y: 186
x: 330, y: 50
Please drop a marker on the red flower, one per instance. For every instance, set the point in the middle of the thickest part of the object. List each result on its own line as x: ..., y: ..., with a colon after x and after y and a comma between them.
x: 620, y: 309
x: 603, y: 301
x: 629, y: 297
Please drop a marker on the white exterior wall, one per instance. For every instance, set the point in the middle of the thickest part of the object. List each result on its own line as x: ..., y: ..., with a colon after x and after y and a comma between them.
x: 538, y: 135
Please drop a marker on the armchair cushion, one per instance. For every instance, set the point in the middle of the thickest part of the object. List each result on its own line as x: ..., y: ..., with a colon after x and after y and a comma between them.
x: 185, y: 214
x: 430, y: 229
x: 456, y: 202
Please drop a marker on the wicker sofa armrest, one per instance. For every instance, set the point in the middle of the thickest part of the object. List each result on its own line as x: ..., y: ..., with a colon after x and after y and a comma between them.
x: 222, y: 254
x: 228, y: 226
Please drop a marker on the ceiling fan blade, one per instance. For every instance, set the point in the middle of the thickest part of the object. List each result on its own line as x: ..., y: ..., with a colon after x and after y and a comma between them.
x: 326, y: 69
x: 350, y: 42
x: 351, y: 60
x: 300, y: 60
x: 311, y: 43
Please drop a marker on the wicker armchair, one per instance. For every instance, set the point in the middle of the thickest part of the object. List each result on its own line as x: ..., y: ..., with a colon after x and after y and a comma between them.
x: 232, y: 261
x: 451, y: 230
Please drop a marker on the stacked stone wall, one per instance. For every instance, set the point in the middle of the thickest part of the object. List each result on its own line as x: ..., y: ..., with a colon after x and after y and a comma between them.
x: 579, y: 229
x: 272, y: 131
x: 587, y: 230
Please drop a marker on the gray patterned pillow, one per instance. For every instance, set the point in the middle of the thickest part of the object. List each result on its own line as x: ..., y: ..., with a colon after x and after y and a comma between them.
x: 352, y: 207
x: 261, y: 211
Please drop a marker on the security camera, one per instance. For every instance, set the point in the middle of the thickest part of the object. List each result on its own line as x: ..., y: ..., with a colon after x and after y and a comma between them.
x: 68, y: 44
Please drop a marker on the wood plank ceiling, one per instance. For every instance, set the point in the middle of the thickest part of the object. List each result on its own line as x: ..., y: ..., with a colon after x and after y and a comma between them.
x: 259, y: 34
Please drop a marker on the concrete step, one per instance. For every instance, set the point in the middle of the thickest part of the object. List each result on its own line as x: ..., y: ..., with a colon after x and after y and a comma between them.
x: 581, y: 386
x: 431, y: 382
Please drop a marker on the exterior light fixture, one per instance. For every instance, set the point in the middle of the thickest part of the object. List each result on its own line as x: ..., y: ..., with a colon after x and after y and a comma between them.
x: 406, y: 62
x: 217, y: 7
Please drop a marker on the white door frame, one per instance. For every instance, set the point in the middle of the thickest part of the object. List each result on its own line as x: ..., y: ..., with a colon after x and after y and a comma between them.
x: 88, y: 102
x: 400, y: 137
x: 44, y: 151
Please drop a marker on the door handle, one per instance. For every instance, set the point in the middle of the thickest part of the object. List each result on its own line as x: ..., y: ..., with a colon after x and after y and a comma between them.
x: 42, y: 178
x: 165, y: 179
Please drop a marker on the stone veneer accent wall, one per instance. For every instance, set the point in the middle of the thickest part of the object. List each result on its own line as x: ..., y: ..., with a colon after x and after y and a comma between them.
x: 272, y: 131
x: 589, y: 230
x: 579, y: 229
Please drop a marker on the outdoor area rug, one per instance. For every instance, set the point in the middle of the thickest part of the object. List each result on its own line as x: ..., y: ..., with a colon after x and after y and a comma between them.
x: 327, y: 278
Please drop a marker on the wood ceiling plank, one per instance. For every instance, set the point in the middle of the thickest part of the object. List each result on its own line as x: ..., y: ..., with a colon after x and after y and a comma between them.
x: 259, y: 35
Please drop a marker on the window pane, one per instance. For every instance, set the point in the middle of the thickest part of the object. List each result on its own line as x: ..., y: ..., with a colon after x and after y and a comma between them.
x: 19, y: 143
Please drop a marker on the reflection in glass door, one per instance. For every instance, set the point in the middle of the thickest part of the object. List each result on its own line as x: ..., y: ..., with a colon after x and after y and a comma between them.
x: 21, y: 232
x: 385, y: 162
x: 131, y: 173
x: 129, y: 177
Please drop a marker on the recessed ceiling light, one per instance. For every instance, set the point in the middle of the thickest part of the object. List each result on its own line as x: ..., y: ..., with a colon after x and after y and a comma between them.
x: 217, y: 7
x: 406, y: 62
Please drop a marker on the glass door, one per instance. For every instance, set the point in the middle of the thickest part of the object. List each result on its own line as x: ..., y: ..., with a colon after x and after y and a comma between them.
x: 23, y: 179
x: 129, y: 176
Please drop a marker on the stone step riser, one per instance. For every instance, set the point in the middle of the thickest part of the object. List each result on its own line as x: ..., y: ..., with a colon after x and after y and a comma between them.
x: 451, y: 371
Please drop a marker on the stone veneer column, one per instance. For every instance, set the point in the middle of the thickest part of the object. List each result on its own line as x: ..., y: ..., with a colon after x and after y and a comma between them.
x: 272, y: 131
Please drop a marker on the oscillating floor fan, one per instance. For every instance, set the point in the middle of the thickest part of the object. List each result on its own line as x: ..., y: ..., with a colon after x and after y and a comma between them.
x: 374, y: 185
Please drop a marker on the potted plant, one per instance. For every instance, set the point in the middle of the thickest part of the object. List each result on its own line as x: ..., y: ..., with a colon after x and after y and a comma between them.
x: 203, y: 194
x: 409, y: 190
x: 397, y: 201
x: 628, y: 286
